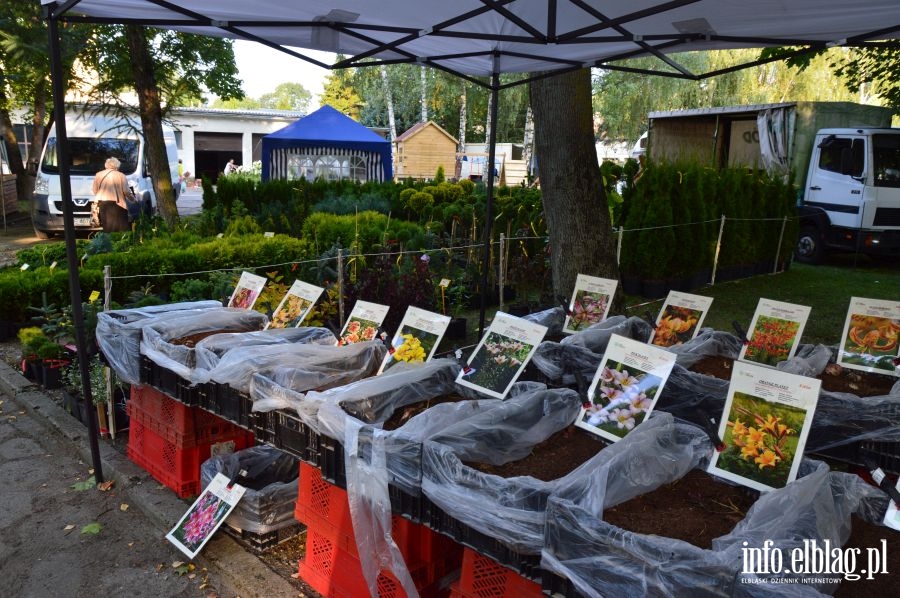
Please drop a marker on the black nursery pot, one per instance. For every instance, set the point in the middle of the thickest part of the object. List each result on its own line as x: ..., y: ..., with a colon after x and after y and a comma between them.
x: 456, y: 329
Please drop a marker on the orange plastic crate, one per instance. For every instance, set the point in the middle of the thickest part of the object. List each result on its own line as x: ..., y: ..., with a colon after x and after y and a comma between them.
x: 324, y: 507
x: 335, y: 573
x: 178, y: 467
x: 182, y: 425
x: 483, y: 577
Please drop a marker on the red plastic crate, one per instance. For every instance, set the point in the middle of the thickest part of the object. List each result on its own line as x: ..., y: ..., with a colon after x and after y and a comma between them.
x: 335, y: 573
x: 324, y: 507
x: 483, y: 577
x: 182, y: 425
x: 178, y: 467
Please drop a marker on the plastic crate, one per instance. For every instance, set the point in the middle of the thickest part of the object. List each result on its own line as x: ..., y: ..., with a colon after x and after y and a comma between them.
x: 170, y: 383
x: 264, y: 428
x: 334, y: 573
x: 482, y: 577
x: 178, y: 467
x: 330, y: 460
x: 261, y: 542
x: 885, y: 455
x: 294, y: 437
x: 176, y: 422
x: 325, y: 508
x: 228, y: 403
x: 558, y: 586
x: 526, y: 565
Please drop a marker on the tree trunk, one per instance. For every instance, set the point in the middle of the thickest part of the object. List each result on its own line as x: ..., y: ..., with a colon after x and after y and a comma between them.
x: 488, y: 124
x: 424, y: 95
x: 389, y: 100
x: 581, y: 236
x: 151, y: 122
x: 528, y: 142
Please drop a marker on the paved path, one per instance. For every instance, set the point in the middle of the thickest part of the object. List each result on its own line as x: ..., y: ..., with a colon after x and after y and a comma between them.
x: 43, y: 552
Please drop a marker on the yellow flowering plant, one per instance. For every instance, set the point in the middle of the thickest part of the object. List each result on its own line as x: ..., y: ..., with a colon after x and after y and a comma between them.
x: 761, y: 440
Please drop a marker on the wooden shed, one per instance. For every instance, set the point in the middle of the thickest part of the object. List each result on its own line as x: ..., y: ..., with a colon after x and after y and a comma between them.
x: 422, y: 149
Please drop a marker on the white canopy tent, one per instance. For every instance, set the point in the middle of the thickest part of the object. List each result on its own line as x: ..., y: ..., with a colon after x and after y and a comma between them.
x: 478, y: 38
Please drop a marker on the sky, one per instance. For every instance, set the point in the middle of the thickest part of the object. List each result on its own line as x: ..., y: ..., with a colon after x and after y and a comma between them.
x: 262, y: 69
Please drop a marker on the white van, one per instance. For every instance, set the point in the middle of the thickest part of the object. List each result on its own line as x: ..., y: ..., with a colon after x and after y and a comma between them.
x: 92, y: 140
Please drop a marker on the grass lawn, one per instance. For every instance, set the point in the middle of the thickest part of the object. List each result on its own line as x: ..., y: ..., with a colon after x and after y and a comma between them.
x: 826, y: 288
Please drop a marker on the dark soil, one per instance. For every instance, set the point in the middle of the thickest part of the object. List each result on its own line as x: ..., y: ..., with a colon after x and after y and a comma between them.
x: 696, y: 509
x: 191, y: 340
x: 834, y: 379
x: 557, y: 456
x: 863, y: 536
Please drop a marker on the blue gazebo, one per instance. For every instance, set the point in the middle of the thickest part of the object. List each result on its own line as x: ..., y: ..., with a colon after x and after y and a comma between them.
x: 326, y: 144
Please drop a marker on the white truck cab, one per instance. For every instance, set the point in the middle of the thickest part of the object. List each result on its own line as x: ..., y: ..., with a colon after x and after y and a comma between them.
x: 851, y: 200
x: 93, y: 139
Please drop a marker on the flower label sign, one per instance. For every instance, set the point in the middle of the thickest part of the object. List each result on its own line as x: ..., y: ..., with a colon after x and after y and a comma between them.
x: 767, y: 418
x: 205, y: 516
x: 774, y: 332
x: 501, y: 355
x: 295, y: 306
x: 590, y: 302
x: 247, y: 290
x: 679, y: 319
x: 417, y: 338
x: 625, y: 387
x: 871, y: 335
x: 363, y: 323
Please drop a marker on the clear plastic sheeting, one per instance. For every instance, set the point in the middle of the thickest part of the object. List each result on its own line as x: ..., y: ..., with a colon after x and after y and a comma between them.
x: 508, y: 510
x: 375, y: 458
x: 180, y: 359
x: 119, y: 333
x: 271, y: 482
x: 849, y: 421
x: 569, y: 365
x: 211, y: 349
x: 693, y: 397
x: 299, y: 367
x: 554, y: 319
x: 808, y: 360
x: 600, y: 559
x: 707, y: 343
x: 596, y: 337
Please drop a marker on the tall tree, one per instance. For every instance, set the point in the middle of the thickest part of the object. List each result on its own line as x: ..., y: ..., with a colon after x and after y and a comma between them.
x: 389, y: 100
x: 287, y: 96
x: 340, y: 94
x: 24, y: 80
x: 581, y: 236
x: 165, y: 69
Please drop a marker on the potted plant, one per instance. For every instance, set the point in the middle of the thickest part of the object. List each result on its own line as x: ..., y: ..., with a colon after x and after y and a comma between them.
x: 31, y: 338
x: 73, y: 393
x: 458, y: 296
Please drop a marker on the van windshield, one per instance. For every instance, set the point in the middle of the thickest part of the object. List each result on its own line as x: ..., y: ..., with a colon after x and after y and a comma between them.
x: 90, y: 154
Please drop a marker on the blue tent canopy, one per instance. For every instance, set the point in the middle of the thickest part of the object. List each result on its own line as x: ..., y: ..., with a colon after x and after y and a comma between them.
x: 323, y: 134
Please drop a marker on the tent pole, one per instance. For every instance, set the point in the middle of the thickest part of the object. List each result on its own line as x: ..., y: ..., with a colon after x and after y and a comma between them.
x: 65, y: 184
x: 489, y: 203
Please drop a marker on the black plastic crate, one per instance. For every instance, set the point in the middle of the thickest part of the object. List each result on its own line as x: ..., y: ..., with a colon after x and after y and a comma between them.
x: 170, y: 383
x: 885, y: 455
x: 526, y: 565
x: 259, y: 542
x: 330, y: 461
x: 296, y: 438
x: 264, y: 428
x: 229, y: 404
x: 556, y: 585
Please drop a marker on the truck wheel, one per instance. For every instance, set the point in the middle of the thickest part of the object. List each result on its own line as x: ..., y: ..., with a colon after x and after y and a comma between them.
x: 810, y: 247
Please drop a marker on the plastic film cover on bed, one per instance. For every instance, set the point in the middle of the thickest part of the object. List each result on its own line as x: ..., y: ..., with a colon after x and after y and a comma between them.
x: 511, y: 510
x: 119, y: 333
x: 601, y: 559
x: 211, y: 349
x: 596, y: 337
x: 707, y: 343
x: 156, y: 345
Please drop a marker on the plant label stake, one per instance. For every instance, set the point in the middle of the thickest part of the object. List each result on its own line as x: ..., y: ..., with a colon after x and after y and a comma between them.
x: 740, y: 332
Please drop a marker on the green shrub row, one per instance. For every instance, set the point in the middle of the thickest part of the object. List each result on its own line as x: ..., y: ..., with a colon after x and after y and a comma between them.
x: 671, y: 219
